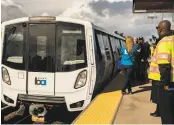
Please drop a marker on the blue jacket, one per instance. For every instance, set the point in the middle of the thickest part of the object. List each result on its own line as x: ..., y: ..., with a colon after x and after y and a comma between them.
x: 126, y: 59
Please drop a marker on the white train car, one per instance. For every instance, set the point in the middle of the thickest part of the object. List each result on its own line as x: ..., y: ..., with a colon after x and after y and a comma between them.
x: 54, y: 61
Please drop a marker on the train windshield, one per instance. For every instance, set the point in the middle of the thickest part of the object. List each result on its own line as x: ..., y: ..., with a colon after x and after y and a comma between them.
x: 13, y: 51
x: 71, y: 47
x: 56, y: 47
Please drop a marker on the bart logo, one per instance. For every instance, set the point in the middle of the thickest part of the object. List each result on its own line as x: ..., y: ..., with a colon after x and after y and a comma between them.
x: 40, y: 81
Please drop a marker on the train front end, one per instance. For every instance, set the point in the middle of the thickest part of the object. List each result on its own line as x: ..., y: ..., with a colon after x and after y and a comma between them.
x: 48, y: 61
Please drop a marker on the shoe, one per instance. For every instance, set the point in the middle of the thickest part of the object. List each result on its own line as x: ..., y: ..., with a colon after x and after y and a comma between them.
x: 123, y: 92
x: 155, y: 114
x: 130, y: 92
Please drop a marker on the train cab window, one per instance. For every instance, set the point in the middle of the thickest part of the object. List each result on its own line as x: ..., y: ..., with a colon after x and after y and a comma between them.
x: 41, y: 47
x: 70, y: 47
x: 13, y: 52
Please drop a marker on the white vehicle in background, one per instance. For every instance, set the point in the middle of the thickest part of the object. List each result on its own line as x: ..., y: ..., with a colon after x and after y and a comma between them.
x: 54, y: 61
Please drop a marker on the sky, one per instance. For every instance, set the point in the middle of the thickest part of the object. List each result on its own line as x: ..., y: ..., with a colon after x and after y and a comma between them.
x: 113, y: 15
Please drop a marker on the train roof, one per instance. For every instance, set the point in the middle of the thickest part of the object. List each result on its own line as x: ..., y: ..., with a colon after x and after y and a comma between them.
x: 66, y: 19
x: 104, y: 30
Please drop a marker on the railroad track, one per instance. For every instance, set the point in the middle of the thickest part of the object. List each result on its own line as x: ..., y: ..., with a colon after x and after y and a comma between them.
x: 8, y: 115
x: 55, y: 116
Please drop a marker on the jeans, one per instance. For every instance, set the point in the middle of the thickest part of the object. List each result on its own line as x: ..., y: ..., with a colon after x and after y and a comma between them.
x: 128, y: 72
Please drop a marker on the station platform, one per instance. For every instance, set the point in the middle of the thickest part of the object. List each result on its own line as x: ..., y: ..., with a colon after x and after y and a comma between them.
x: 111, y: 107
x: 136, y: 108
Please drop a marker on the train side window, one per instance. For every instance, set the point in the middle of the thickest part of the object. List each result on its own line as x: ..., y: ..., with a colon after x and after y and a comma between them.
x: 121, y: 42
x: 99, y: 54
x: 113, y: 44
x: 118, y: 51
x: 118, y: 45
x: 107, y: 47
x: 100, y: 42
x: 116, y: 42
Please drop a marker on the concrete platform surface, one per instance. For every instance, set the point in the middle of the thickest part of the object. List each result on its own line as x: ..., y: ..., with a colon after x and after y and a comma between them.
x: 136, y: 108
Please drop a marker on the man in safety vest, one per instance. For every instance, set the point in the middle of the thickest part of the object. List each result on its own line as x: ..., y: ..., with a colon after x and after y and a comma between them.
x: 162, y: 72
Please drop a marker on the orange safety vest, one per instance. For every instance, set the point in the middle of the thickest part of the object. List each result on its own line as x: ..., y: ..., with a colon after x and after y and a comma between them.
x: 163, y: 54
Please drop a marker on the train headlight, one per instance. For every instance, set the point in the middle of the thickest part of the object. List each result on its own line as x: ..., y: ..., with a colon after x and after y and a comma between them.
x: 81, y: 80
x: 5, y: 76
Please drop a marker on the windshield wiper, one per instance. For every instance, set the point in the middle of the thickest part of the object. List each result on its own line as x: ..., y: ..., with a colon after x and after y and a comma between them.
x: 12, y: 31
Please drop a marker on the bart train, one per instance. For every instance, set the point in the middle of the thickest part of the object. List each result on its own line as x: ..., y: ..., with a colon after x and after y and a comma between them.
x: 56, y: 60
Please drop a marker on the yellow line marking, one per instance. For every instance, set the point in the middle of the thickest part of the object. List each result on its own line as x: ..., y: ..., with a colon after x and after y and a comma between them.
x: 102, y: 110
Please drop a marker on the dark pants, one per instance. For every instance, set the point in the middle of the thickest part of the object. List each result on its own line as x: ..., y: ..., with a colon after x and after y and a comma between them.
x: 128, y: 72
x: 143, y: 70
x: 157, y: 109
x: 137, y: 70
x: 154, y: 91
x: 166, y: 105
x: 154, y: 97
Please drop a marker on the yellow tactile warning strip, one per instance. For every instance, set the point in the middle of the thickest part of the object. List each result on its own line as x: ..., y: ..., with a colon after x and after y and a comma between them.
x: 102, y: 110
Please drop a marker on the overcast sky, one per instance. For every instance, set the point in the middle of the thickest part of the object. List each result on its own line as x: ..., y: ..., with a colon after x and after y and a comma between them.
x: 110, y: 14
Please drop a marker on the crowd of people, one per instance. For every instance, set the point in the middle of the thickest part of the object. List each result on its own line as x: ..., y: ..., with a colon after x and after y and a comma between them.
x: 135, y: 63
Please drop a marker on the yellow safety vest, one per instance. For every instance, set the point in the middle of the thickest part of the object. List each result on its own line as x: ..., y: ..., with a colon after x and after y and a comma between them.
x: 163, y: 54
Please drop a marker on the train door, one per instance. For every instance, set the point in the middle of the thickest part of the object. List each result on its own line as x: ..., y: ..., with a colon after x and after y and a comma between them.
x: 101, y: 60
x: 115, y: 53
x: 100, y: 63
x: 41, y: 59
x: 108, y: 57
x: 113, y: 58
x: 118, y: 46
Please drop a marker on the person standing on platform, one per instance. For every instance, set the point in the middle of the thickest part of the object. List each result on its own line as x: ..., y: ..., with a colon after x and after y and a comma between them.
x: 146, y: 55
x: 127, y: 60
x: 162, y: 71
x: 154, y: 91
x: 137, y: 59
x: 143, y: 61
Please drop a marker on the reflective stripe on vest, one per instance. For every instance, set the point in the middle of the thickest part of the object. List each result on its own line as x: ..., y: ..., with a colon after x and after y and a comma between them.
x: 162, y: 56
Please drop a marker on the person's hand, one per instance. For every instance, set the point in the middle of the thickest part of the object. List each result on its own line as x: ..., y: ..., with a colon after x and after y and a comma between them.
x: 166, y: 87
